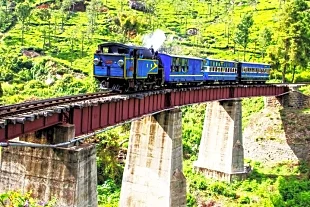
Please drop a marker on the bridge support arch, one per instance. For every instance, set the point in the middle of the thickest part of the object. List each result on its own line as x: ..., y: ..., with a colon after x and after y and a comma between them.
x: 221, y: 150
x: 153, y: 173
x: 69, y: 173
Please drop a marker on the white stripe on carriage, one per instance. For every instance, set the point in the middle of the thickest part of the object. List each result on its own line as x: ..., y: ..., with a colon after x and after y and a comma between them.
x: 245, y: 76
x: 186, y: 75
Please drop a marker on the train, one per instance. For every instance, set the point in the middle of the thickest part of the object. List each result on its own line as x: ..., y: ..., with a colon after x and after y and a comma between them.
x: 125, y: 68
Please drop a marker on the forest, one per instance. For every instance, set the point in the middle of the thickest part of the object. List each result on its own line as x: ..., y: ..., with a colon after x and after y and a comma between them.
x: 47, y: 47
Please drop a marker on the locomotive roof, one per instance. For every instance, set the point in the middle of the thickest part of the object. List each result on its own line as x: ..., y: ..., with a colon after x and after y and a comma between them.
x: 109, y: 44
x: 182, y: 56
x: 231, y: 61
x: 254, y: 63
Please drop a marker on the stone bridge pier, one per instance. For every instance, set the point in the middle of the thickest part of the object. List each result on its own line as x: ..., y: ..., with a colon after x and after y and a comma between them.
x: 153, y: 173
x: 68, y: 173
x: 221, y: 151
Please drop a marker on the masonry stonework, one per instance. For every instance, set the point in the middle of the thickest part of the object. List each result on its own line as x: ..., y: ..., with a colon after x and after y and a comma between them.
x: 221, y: 147
x: 68, y: 174
x: 293, y: 99
x: 153, y: 173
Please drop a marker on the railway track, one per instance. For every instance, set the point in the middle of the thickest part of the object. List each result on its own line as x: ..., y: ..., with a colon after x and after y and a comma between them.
x: 9, y: 110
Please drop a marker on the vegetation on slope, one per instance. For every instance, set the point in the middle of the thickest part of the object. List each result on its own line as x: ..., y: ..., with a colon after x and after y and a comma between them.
x: 47, y: 50
x: 275, y: 184
x: 46, y: 40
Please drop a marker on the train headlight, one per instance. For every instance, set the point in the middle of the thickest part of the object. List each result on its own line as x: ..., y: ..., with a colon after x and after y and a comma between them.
x: 96, y: 61
x: 120, y: 63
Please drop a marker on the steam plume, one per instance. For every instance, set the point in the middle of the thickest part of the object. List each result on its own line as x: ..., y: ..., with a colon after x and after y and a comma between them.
x: 156, y: 39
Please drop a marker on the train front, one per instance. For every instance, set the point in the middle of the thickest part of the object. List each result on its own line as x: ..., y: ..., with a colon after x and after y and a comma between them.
x: 109, y: 66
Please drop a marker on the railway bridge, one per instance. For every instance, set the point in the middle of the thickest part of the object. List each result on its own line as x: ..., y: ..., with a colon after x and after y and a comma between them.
x: 50, y: 159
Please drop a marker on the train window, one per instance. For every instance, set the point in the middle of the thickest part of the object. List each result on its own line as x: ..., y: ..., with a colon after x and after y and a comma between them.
x: 104, y: 50
x: 184, y: 65
x: 122, y: 51
x: 173, y: 65
x: 176, y: 67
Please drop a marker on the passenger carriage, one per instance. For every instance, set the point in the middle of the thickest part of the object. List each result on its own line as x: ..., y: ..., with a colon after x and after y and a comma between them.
x: 254, y: 72
x: 181, y: 69
x: 219, y: 70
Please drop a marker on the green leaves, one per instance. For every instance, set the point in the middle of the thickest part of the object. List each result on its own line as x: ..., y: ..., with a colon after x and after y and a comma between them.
x: 265, y: 39
x: 243, y: 31
x: 23, y: 11
x: 18, y: 199
x: 294, y: 32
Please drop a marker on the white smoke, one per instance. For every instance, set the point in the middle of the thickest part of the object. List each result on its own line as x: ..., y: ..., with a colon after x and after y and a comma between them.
x: 156, y: 39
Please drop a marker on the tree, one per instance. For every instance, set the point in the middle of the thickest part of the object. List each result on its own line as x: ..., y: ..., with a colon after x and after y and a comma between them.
x: 265, y: 39
x: 243, y: 32
x: 45, y: 15
x: 92, y: 11
x: 294, y: 38
x: 23, y: 11
x: 151, y: 8
x: 66, y: 5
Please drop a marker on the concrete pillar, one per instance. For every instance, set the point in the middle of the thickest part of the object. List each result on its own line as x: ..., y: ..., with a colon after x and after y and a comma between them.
x: 221, y: 147
x: 153, y: 173
x: 68, y: 174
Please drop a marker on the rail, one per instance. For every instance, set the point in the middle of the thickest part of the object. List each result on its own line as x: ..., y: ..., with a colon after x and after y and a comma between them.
x: 19, y: 108
x: 9, y: 110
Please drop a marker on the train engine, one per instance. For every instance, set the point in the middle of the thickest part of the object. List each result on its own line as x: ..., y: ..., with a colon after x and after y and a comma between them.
x: 123, y: 68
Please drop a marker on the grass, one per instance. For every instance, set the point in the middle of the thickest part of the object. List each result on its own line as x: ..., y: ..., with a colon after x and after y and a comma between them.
x: 66, y: 45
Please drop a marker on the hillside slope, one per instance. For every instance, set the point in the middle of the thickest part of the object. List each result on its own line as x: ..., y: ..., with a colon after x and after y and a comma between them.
x: 59, y: 43
x: 277, y: 134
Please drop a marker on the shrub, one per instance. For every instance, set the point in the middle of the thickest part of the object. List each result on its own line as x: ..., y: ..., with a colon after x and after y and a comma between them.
x: 16, y: 198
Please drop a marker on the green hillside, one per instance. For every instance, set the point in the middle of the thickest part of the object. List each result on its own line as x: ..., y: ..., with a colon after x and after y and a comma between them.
x: 59, y: 38
x: 46, y: 50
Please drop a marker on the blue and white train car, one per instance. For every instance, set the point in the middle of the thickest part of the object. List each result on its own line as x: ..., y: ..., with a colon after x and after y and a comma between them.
x: 219, y: 70
x: 254, y: 72
x: 121, y: 66
x: 181, y: 69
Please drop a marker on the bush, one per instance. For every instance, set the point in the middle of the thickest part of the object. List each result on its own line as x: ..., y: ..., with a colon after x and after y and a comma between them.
x: 190, y: 200
x: 16, y: 199
x: 304, y: 76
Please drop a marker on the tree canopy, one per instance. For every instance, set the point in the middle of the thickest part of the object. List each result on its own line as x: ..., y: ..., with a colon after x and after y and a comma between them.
x: 292, y: 48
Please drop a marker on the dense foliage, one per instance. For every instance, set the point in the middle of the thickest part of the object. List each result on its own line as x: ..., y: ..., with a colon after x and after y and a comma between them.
x: 18, y: 199
x: 43, y: 40
x: 47, y: 49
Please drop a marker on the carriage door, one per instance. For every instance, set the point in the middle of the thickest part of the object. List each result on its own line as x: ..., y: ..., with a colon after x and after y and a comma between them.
x: 239, y: 70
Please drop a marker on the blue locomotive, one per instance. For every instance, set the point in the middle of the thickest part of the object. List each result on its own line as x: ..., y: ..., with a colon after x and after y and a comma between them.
x: 123, y: 68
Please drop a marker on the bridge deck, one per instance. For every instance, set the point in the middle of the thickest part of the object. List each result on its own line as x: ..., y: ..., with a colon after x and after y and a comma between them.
x: 96, y: 112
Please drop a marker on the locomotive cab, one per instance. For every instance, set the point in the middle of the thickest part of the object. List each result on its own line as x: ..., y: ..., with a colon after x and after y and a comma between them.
x: 124, y: 67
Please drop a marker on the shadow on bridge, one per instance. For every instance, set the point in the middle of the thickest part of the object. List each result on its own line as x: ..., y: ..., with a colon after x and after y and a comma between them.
x: 296, y: 127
